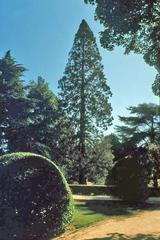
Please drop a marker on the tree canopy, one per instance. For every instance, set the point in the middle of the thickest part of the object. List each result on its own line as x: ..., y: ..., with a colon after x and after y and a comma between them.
x: 156, y: 86
x: 13, y: 104
x: 133, y: 24
x: 142, y: 126
x: 140, y: 137
x: 84, y: 92
x: 42, y: 117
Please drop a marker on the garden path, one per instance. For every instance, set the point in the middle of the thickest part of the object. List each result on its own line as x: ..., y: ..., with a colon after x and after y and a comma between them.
x: 142, y: 225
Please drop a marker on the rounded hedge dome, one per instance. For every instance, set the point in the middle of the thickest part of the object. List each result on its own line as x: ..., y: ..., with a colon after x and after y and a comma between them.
x: 130, y: 179
x: 35, y: 199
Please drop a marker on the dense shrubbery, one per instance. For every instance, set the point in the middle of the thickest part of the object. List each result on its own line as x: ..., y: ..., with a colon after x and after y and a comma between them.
x: 130, y: 180
x: 35, y: 200
x: 90, y: 189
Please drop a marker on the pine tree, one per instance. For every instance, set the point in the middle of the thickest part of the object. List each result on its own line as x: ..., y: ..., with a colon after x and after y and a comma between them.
x: 142, y: 127
x: 84, y: 92
x: 42, y: 132
x: 12, y: 105
x: 140, y: 131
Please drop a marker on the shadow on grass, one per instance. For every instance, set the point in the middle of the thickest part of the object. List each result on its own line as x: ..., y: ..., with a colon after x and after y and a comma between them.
x: 92, y: 211
x: 118, y: 208
x: 117, y: 236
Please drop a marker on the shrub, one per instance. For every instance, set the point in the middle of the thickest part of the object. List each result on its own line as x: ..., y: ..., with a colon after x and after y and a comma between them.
x: 130, y: 180
x: 35, y: 200
x: 90, y: 189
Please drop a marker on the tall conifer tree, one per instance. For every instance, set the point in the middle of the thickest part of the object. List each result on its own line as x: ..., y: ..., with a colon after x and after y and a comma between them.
x: 84, y: 92
x: 12, y: 105
x: 42, y: 132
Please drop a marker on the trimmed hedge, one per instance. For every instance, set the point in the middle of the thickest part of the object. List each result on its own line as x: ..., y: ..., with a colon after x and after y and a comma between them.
x: 35, y: 199
x: 154, y: 192
x: 90, y: 190
x: 130, y: 180
x: 94, y: 190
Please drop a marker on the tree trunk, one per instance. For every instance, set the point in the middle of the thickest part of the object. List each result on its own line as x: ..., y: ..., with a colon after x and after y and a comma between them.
x: 155, y: 181
x: 82, y: 148
x: 82, y: 177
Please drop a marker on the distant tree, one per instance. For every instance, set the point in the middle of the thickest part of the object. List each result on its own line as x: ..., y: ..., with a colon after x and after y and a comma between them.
x: 101, y: 160
x: 98, y: 164
x: 121, y: 149
x: 143, y: 126
x: 116, y: 146
x: 84, y: 93
x: 131, y: 24
x: 141, y: 130
x: 154, y: 157
x: 13, y: 105
x: 154, y: 149
x: 49, y: 131
x: 63, y: 142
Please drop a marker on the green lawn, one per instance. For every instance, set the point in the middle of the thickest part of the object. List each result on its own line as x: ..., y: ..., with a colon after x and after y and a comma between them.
x: 84, y: 216
x: 89, y: 212
x: 92, y: 211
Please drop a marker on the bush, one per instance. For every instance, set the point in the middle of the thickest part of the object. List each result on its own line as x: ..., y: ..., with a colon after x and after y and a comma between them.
x: 130, y: 180
x: 90, y: 189
x: 35, y: 200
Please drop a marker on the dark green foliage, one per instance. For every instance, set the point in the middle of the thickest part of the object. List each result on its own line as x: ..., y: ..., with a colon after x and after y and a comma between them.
x: 116, y: 147
x: 101, y: 160
x: 48, y: 129
x: 154, y: 158
x: 107, y: 189
x: 84, y: 95
x: 35, y: 200
x: 29, y: 112
x: 131, y: 24
x: 13, y: 105
x: 142, y: 126
x: 10, y: 75
x: 130, y: 179
x: 156, y: 86
x: 138, y: 132
x: 42, y: 132
x: 32, y: 113
x: 90, y: 189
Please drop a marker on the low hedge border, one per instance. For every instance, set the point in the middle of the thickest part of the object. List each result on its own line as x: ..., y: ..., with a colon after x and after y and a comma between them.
x: 103, y: 190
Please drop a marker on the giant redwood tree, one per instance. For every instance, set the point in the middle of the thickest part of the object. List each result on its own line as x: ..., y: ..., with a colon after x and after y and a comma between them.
x: 84, y: 93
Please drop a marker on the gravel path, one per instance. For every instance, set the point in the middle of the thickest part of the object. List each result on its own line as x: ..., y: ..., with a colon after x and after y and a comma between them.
x: 147, y: 223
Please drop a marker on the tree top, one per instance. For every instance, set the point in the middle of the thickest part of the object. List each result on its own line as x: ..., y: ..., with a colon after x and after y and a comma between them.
x: 84, y: 29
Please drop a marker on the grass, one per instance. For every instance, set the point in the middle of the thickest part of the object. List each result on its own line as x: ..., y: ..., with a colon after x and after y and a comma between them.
x: 89, y: 212
x: 84, y: 216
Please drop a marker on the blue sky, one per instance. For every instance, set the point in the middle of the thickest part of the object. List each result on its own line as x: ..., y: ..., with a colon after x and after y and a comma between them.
x: 40, y: 34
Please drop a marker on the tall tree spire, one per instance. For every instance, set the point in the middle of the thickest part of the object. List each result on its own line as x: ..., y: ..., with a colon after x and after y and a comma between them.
x: 84, y: 92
